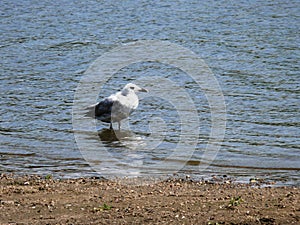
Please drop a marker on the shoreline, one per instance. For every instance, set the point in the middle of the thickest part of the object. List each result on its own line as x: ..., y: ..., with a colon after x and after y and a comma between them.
x: 33, y: 199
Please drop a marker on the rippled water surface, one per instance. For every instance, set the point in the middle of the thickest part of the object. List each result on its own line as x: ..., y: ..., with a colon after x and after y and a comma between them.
x: 251, y: 47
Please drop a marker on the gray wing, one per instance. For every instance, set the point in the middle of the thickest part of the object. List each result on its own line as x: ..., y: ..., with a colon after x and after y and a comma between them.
x: 109, y: 111
x: 101, y: 110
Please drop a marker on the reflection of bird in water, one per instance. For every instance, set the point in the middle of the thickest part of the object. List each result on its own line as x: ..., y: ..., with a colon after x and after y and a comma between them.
x: 117, y: 106
x: 109, y: 135
x: 120, y: 138
x: 125, y: 146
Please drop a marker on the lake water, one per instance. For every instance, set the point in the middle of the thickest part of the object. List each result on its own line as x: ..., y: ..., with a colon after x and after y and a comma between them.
x: 252, y: 48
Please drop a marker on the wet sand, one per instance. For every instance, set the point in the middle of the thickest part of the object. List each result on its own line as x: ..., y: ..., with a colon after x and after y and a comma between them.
x: 45, y: 200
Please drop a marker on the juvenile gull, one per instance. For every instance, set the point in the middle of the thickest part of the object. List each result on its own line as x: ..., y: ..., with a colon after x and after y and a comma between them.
x: 117, y: 106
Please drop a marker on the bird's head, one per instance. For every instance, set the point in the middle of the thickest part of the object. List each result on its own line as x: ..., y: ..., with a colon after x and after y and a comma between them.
x: 132, y: 88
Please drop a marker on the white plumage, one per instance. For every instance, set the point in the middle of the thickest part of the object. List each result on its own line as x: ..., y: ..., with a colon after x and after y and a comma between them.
x: 117, y: 106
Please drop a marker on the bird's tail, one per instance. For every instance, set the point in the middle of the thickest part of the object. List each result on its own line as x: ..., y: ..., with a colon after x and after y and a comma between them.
x: 90, y: 111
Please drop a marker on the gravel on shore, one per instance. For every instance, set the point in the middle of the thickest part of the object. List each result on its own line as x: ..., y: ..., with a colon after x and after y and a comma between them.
x: 44, y: 200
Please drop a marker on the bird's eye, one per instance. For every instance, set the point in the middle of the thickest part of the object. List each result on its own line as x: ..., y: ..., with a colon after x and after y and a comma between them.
x: 132, y: 88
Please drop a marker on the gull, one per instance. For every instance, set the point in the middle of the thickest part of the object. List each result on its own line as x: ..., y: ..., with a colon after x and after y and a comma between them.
x: 117, y: 106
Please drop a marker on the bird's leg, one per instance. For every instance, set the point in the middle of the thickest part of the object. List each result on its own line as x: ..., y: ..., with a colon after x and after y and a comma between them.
x: 111, y: 127
x: 119, y: 123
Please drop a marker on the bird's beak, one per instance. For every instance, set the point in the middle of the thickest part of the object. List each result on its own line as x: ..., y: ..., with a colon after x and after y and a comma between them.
x: 143, y: 90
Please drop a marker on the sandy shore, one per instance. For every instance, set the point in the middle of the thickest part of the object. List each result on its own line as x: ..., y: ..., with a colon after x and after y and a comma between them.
x: 43, y: 200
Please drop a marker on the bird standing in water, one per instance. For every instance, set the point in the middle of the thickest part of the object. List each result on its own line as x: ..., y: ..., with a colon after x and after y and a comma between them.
x: 117, y: 106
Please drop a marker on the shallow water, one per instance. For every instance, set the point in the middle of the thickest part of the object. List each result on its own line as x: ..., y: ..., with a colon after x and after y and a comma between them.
x: 251, y: 47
